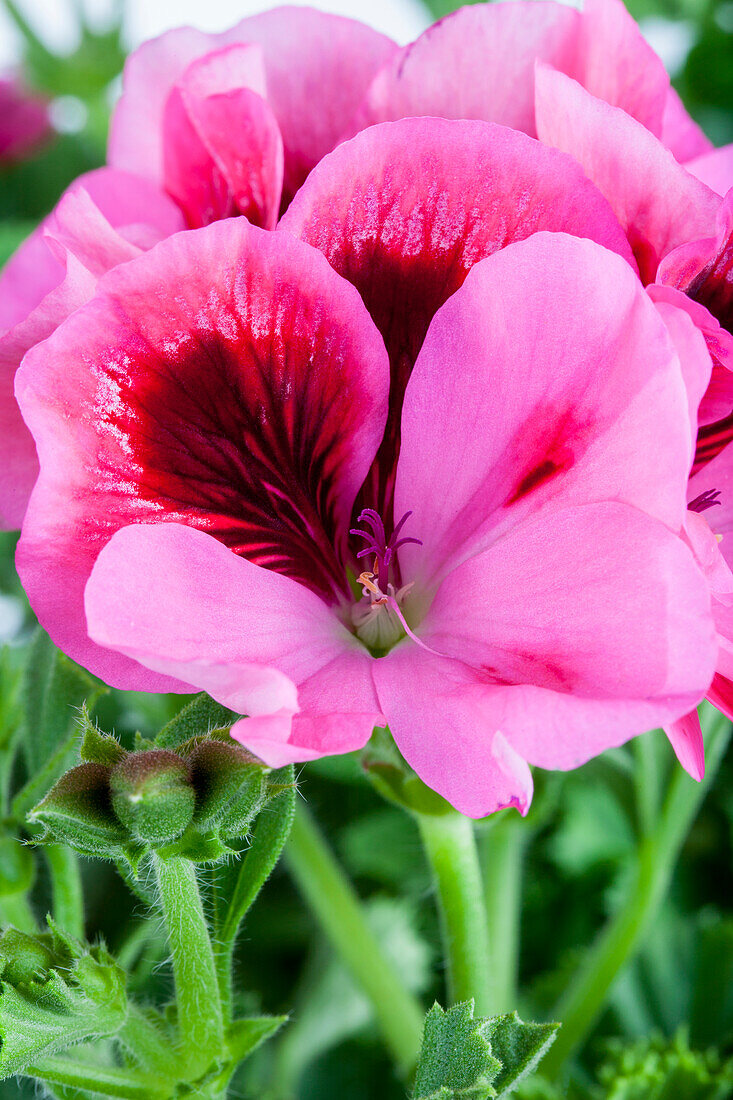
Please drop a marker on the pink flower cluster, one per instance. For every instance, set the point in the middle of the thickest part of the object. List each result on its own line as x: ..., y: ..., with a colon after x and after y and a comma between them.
x: 24, y: 122
x: 377, y: 386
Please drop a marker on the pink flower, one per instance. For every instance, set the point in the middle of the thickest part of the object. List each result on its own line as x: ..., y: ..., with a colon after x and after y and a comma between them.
x: 233, y: 123
x: 499, y: 45
x: 24, y: 121
x: 201, y: 464
x: 104, y: 219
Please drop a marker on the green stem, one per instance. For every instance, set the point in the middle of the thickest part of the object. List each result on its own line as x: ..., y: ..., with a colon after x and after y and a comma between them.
x: 450, y: 846
x: 200, y: 1018
x: 502, y: 848
x: 100, y: 1080
x: 68, y: 898
x: 15, y: 909
x: 337, y: 909
x: 148, y: 1044
x: 647, y: 780
x: 582, y: 1003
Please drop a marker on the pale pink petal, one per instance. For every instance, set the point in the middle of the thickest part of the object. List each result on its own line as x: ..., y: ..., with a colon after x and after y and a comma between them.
x: 248, y: 403
x: 447, y: 725
x: 682, y: 136
x: 595, y: 620
x: 714, y: 168
x: 616, y: 63
x: 405, y: 209
x: 181, y: 603
x: 685, y: 737
x: 659, y: 204
x: 549, y: 405
x: 476, y: 63
x: 683, y: 325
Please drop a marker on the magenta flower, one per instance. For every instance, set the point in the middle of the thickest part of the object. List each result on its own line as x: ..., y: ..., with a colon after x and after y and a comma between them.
x: 24, y: 123
x: 105, y: 218
x: 232, y: 123
x: 201, y: 464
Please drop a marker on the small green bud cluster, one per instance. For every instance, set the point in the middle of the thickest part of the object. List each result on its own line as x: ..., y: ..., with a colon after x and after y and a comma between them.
x: 194, y: 801
x: 54, y: 991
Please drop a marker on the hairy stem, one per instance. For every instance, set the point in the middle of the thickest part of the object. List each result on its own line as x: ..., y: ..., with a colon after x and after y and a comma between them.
x: 501, y: 849
x: 200, y: 1017
x: 337, y: 909
x: 583, y: 1001
x: 68, y: 899
x: 99, y: 1080
x: 450, y: 846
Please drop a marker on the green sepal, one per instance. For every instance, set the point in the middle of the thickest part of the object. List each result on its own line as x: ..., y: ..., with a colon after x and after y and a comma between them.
x: 98, y: 747
x: 54, y: 991
x: 244, y: 1036
x: 395, y: 780
x: 152, y: 796
x: 78, y: 811
x: 456, y: 1059
x: 202, y: 717
x: 519, y: 1047
x: 199, y: 847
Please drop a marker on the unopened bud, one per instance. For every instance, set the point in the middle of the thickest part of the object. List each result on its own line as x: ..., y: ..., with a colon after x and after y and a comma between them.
x: 229, y: 784
x: 78, y: 811
x: 152, y: 795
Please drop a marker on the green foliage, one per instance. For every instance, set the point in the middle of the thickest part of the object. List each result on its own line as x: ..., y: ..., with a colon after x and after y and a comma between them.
x: 657, y: 1069
x: 465, y: 1058
x: 54, y: 992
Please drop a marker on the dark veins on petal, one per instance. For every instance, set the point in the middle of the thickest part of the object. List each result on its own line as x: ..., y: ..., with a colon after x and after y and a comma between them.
x: 215, y: 437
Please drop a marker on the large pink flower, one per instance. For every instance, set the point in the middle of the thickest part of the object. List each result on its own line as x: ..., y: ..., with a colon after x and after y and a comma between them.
x: 232, y: 123
x: 105, y: 218
x: 479, y: 62
x: 200, y: 464
x: 24, y: 123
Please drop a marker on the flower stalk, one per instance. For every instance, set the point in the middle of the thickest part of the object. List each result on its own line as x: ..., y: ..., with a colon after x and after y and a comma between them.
x: 450, y: 846
x: 200, y: 1018
x: 501, y: 850
x: 582, y: 1003
x: 336, y: 907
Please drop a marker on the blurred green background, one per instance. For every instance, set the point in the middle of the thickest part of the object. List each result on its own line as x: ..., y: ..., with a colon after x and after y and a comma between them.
x: 580, y: 836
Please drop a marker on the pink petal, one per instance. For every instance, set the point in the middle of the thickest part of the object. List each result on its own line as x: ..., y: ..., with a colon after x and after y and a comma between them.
x: 717, y: 475
x: 684, y: 326
x: 447, y: 725
x: 720, y: 695
x: 682, y: 136
x: 222, y: 149
x: 595, y: 620
x: 249, y: 403
x: 476, y: 63
x: 317, y: 69
x: 658, y: 203
x: 714, y: 168
x: 564, y: 366
x: 180, y: 603
x: 617, y: 65
x: 405, y: 209
x: 685, y: 737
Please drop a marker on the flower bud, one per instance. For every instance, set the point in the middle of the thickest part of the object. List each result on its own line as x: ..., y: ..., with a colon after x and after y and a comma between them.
x: 229, y: 784
x: 23, y: 958
x: 78, y: 811
x: 152, y: 795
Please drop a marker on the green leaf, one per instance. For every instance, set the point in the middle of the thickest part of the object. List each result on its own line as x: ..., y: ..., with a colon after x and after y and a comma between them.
x: 456, y: 1060
x: 98, y: 747
x: 244, y: 1036
x: 663, y: 1069
x: 519, y: 1047
x: 200, y: 718
x: 257, y: 864
x: 52, y: 693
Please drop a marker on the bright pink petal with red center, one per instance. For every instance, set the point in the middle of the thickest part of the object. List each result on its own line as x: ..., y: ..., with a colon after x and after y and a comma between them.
x: 222, y: 149
x: 447, y: 726
x: 548, y: 405
x: 51, y: 275
x: 596, y: 622
x: 317, y: 69
x: 659, y: 204
x: 475, y: 63
x: 180, y: 603
x: 682, y: 136
x: 405, y: 209
x: 249, y: 403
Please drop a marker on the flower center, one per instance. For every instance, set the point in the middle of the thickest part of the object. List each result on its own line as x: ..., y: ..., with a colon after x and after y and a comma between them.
x: 377, y: 617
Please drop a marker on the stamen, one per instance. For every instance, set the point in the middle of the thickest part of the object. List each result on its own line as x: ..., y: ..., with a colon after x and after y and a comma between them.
x: 706, y: 500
